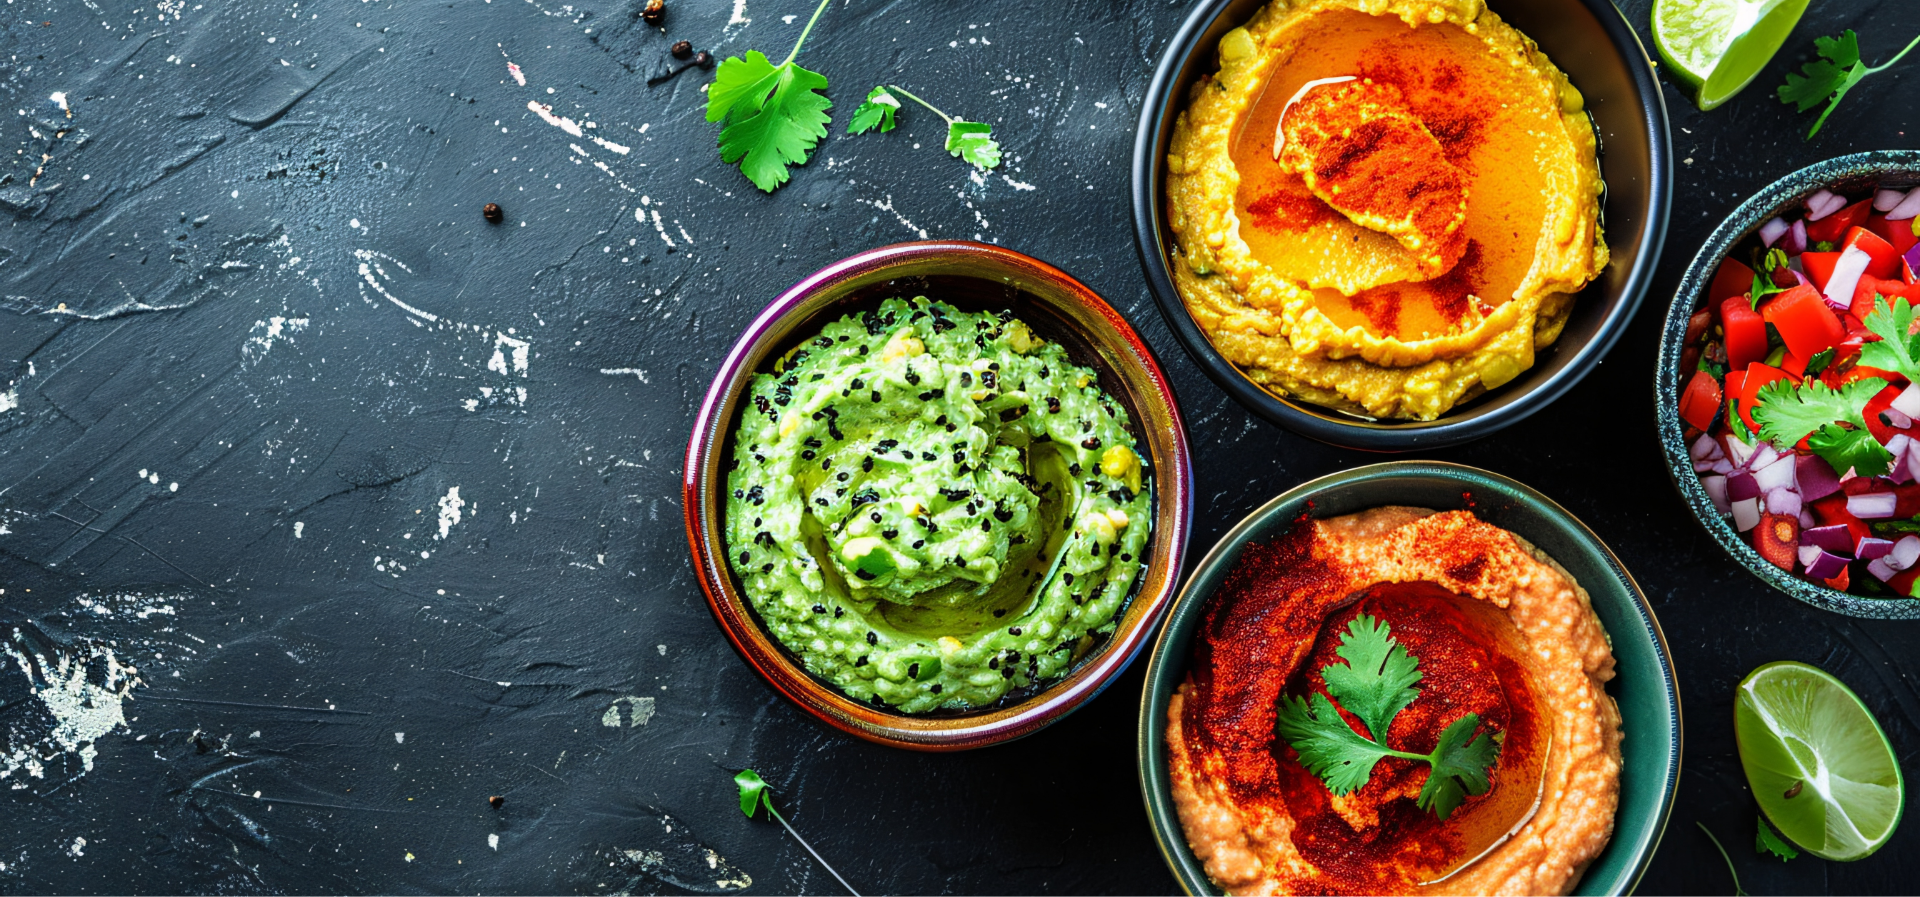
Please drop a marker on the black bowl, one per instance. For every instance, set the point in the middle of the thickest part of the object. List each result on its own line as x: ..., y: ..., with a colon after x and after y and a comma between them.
x: 1593, y: 44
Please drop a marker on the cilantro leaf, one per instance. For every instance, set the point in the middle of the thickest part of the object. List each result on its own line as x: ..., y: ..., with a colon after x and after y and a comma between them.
x: 1377, y: 680
x: 973, y: 141
x: 774, y: 116
x: 1767, y: 841
x: 1829, y: 78
x: 1376, y: 683
x: 1897, y: 350
x: 1813, y: 411
x: 1460, y: 764
x: 753, y: 791
x: 1328, y: 747
x: 875, y: 112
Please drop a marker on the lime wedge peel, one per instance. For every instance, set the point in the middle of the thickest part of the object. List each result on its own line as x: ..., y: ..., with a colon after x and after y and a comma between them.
x: 1818, y: 762
x: 1715, y: 48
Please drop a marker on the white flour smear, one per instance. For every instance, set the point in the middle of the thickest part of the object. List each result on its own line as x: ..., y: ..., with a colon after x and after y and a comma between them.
x: 78, y: 712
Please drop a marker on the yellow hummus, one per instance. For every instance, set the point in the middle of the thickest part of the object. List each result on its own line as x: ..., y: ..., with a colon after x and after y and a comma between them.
x: 1498, y: 629
x: 1383, y: 206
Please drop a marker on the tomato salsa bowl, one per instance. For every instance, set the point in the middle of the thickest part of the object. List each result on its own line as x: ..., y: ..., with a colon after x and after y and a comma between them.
x: 1784, y: 383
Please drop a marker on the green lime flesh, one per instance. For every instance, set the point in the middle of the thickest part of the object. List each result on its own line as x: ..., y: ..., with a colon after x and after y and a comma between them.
x: 1715, y: 48
x: 1817, y: 761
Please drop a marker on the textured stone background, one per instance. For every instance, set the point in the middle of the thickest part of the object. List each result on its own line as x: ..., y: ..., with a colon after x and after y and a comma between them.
x: 257, y: 347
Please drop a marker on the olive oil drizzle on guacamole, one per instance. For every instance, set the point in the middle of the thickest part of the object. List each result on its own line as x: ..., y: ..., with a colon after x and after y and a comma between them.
x: 931, y: 507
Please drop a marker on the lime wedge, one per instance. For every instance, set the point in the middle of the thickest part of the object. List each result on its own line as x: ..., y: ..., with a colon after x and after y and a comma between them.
x: 1817, y: 761
x: 1715, y: 48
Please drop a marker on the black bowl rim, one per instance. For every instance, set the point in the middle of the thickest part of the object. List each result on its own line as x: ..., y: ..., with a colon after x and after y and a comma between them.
x: 1763, y: 204
x: 1158, y: 104
x: 1150, y: 744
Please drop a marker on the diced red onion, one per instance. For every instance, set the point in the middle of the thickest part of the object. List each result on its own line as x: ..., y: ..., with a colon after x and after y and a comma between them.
x: 1777, y: 475
x: 1737, y: 452
x: 1800, y: 279
x: 1824, y: 202
x: 1912, y: 461
x: 1815, y: 477
x: 1873, y: 547
x: 1846, y: 275
x: 1796, y: 241
x: 1824, y: 565
x: 1702, y: 466
x: 1871, y: 505
x: 1904, y: 552
x: 1833, y: 538
x: 1907, y: 208
x: 1716, y: 487
x: 1746, y: 514
x: 1881, y: 570
x: 1885, y: 200
x: 1898, y: 419
x: 1704, y: 448
x: 1723, y: 467
x: 1898, y: 445
x: 1773, y: 230
x: 1741, y: 486
x: 1908, y: 401
x: 1783, y: 501
x: 1763, y: 455
x: 1806, y: 519
x: 1912, y: 258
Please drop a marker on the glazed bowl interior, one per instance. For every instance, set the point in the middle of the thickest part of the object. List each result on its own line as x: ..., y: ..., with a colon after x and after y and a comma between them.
x: 1852, y: 175
x: 973, y: 277
x: 1643, y: 685
x: 1587, y: 39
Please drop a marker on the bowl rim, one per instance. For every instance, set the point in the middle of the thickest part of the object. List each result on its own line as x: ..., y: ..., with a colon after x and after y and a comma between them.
x: 1158, y: 104
x: 1174, y: 487
x: 1773, y: 199
x: 1169, y: 658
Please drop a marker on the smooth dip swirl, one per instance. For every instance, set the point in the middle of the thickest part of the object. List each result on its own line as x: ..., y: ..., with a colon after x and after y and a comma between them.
x: 1500, y: 631
x: 930, y: 507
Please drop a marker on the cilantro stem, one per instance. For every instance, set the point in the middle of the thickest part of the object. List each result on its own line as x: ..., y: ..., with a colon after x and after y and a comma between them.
x: 1889, y: 63
x: 796, y: 51
x: 766, y: 800
x: 1737, y: 890
x: 1848, y: 85
x: 903, y: 92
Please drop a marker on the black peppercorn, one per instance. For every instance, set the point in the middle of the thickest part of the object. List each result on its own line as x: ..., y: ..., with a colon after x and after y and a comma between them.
x: 491, y: 212
x: 496, y: 801
x: 682, y: 49
x: 655, y: 12
x: 703, y: 59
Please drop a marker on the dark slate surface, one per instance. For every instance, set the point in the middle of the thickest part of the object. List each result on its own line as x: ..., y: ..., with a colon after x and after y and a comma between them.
x: 256, y: 341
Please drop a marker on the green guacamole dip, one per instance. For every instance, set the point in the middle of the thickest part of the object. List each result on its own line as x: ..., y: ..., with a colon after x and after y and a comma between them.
x: 931, y: 507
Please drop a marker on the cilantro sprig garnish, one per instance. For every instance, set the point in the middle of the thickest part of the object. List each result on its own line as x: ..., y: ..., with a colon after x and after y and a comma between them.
x: 774, y: 115
x: 1829, y: 78
x: 1896, y: 350
x: 1832, y: 421
x: 1375, y: 684
x: 969, y: 140
x: 755, y: 796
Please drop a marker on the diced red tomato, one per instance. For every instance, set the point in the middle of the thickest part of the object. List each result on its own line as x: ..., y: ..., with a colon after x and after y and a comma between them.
x: 1831, y: 228
x: 1885, y: 260
x: 1793, y: 364
x: 1832, y: 510
x: 1819, y: 266
x: 1746, y: 333
x: 1839, y: 582
x: 1757, y: 375
x: 1870, y: 287
x: 1902, y: 582
x: 1880, y: 402
x: 1733, y: 279
x: 1700, y: 402
x: 1898, y: 233
x: 1906, y: 499
x: 1805, y: 322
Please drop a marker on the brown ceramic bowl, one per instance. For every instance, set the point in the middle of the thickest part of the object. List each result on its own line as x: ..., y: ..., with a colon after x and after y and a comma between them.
x: 972, y: 276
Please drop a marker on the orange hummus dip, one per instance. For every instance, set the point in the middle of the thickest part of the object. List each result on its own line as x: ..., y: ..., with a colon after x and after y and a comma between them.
x: 1499, y: 630
x: 1384, y: 207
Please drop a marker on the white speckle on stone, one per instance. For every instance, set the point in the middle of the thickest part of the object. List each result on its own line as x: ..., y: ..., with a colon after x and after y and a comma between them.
x: 299, y: 529
x: 399, y: 738
x: 79, y: 847
x: 450, y: 505
x: 493, y: 841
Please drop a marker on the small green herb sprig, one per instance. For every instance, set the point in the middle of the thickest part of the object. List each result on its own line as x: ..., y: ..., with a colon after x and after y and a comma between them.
x: 754, y: 795
x: 969, y: 140
x: 773, y: 115
x: 1829, y: 78
x: 1375, y: 684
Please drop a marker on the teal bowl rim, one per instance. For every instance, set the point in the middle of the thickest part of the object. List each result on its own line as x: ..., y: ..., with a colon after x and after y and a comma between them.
x: 1780, y: 196
x: 1168, y: 663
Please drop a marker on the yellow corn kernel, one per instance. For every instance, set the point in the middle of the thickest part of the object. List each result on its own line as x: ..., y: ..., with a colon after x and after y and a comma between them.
x: 903, y: 345
x: 1020, y: 337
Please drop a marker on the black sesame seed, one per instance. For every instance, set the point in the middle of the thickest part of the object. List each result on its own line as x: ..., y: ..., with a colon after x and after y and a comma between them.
x: 935, y: 689
x: 873, y: 638
x: 1069, y: 578
x: 1014, y: 631
x: 913, y: 671
x: 745, y: 557
x: 1090, y: 443
x: 861, y: 661
x: 818, y: 609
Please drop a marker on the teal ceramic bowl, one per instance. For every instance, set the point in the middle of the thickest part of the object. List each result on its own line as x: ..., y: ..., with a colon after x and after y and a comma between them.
x: 1644, y: 687
x: 1846, y: 174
